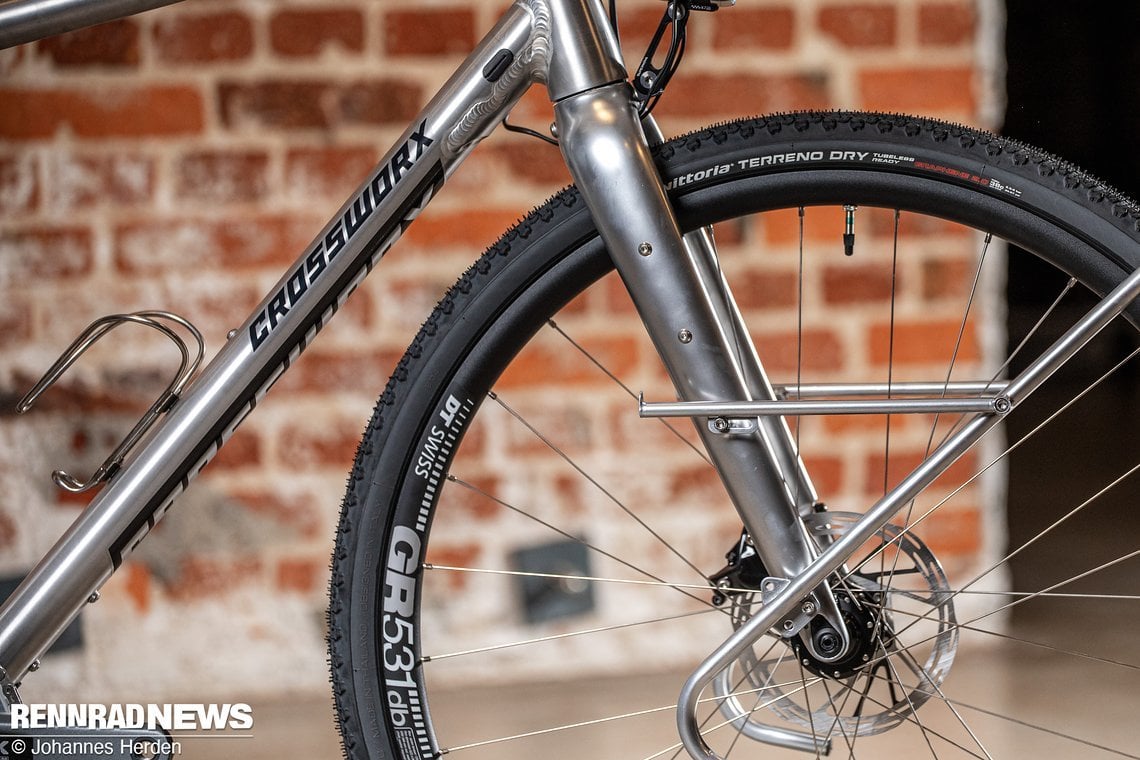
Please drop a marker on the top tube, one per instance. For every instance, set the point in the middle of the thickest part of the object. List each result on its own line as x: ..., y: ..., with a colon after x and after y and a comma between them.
x: 29, y: 20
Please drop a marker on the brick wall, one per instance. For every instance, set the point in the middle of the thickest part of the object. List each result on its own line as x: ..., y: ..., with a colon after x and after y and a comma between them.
x: 181, y: 159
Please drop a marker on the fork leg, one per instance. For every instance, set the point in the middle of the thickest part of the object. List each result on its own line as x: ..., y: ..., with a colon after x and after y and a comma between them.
x: 688, y: 314
x: 685, y: 310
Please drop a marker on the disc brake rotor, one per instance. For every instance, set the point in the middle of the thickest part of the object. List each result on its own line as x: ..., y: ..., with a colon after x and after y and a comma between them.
x: 902, y: 619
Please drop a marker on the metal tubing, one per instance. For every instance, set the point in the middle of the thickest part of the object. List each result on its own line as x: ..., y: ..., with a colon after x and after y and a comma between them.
x: 306, y: 297
x: 735, y: 409
x: 701, y: 246
x: 837, y: 553
x: 817, y: 573
x: 1065, y: 347
x: 584, y: 50
x: 702, y: 250
x: 607, y: 155
x: 740, y: 718
x: 849, y: 390
x: 24, y: 21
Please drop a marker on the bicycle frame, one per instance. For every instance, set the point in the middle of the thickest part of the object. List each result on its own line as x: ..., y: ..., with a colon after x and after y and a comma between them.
x: 567, y: 45
x: 258, y: 353
x: 689, y: 313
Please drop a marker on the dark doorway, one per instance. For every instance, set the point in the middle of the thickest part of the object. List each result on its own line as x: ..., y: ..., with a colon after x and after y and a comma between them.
x: 1071, y: 91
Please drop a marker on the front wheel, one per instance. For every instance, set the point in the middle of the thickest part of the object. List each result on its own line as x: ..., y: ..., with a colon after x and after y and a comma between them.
x: 524, y: 568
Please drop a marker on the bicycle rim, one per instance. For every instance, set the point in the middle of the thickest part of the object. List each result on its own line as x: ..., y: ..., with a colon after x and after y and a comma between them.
x: 564, y: 594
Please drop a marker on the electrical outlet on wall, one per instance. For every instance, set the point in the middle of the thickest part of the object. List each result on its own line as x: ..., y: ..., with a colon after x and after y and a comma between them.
x: 558, y: 585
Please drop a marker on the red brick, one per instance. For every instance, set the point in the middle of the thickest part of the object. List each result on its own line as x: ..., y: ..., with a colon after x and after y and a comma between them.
x: 475, y: 502
x: 327, y: 172
x: 324, y: 371
x: 922, y: 343
x: 731, y: 232
x: 99, y: 112
x: 319, y: 442
x: 859, y: 283
x: 571, y: 429
x: 826, y: 473
x: 316, y: 104
x: 755, y: 28
x: 863, y: 423
x: 881, y: 223
x: 952, y: 531
x: 919, y: 89
x: 473, y: 228
x: 19, y: 184
x: 242, y: 450
x: 947, y: 278
x: 137, y: 585
x: 539, y: 364
x: 222, y: 176
x: 903, y: 463
x: 533, y: 110
x: 15, y: 321
x: 204, y: 38
x: 698, y: 484
x: 534, y: 161
x: 295, y: 510
x: 303, y: 575
x: 860, y: 26
x: 307, y: 33
x: 76, y: 501
x: 196, y: 244
x: 946, y: 23
x: 52, y: 253
x: 281, y: 104
x: 112, y: 44
x: 201, y: 577
x: 465, y: 554
x: 390, y: 101
x: 617, y: 297
x: 436, y: 31
x: 704, y: 95
x: 820, y: 223
x: 764, y: 290
x: 822, y: 350
x: 636, y: 26
x: 83, y: 181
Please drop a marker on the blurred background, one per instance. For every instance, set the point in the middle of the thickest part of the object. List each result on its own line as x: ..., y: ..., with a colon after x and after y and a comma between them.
x: 182, y: 158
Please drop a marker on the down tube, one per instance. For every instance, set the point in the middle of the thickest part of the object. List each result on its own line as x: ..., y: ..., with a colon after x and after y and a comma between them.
x: 121, y: 515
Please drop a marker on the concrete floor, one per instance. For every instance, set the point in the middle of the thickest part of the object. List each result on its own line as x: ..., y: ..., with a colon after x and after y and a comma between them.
x: 1042, y: 684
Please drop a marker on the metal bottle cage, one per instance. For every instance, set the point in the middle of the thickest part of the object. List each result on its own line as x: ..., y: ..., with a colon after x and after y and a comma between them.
x: 187, y: 367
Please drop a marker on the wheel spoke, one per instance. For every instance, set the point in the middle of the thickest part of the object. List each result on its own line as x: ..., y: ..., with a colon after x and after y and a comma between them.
x: 629, y: 391
x: 968, y: 625
x: 571, y: 537
x: 1024, y: 723
x: 561, y: 636
x: 910, y: 526
x: 594, y: 482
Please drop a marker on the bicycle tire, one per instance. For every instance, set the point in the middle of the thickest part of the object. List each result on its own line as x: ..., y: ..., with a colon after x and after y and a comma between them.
x: 914, y: 166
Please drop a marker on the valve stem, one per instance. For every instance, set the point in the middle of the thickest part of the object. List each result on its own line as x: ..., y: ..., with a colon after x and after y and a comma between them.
x: 849, y: 231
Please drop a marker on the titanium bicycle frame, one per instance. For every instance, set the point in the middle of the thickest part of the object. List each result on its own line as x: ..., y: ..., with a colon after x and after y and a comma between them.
x: 689, y: 313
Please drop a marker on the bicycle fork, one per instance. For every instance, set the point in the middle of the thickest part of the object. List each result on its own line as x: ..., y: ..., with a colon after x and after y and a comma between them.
x: 698, y: 332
